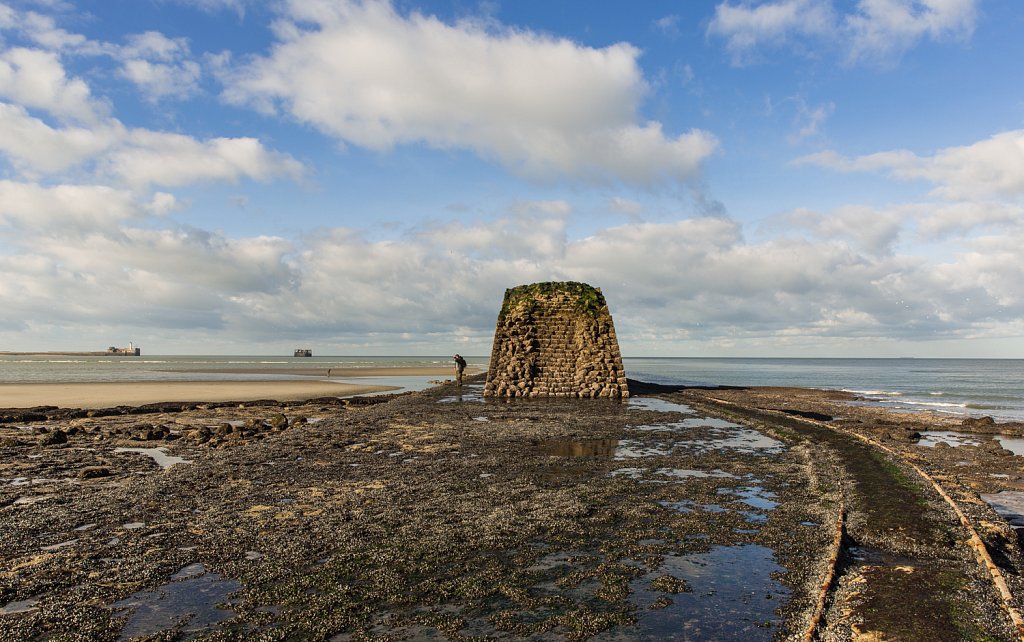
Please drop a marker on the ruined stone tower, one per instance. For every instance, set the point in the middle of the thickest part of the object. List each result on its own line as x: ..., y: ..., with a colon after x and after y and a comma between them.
x: 555, y: 339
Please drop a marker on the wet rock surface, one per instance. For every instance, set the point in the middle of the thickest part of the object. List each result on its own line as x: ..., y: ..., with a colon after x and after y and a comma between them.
x: 436, y: 515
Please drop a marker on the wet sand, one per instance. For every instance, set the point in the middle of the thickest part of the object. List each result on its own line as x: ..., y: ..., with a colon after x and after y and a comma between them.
x: 105, y: 395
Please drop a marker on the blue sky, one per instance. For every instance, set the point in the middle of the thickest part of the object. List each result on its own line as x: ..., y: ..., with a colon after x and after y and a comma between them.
x: 741, y: 178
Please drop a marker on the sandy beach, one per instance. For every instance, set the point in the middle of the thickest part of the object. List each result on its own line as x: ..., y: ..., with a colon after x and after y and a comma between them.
x: 335, y: 373
x: 105, y: 395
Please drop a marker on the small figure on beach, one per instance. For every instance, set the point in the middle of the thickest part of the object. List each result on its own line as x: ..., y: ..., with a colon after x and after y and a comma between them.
x: 460, y: 365
x: 328, y: 372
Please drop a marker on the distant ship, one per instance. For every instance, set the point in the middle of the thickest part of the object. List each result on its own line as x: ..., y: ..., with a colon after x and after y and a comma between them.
x: 130, y: 351
x: 303, y: 352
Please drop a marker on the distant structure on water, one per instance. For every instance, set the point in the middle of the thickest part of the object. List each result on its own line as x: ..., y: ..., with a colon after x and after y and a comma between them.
x: 130, y: 351
x: 303, y: 352
x: 555, y: 339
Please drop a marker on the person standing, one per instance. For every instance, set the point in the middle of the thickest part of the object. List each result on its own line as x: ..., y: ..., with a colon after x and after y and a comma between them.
x: 460, y: 365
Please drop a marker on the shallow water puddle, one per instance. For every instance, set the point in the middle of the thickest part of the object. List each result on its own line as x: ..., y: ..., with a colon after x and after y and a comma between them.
x: 632, y: 449
x: 1009, y: 504
x: 744, y: 440
x: 731, y: 596
x: 1013, y: 444
x: 932, y: 438
x: 682, y: 473
x: 190, y: 600
x: 953, y: 438
x: 658, y: 405
x: 671, y: 473
x: 688, y: 505
x: 57, y: 547
x: 473, y: 392
x: 159, y: 456
x: 20, y: 606
x: 753, y: 496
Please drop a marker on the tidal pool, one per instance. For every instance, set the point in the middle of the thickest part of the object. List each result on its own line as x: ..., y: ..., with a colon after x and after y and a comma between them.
x: 952, y: 438
x: 658, y: 405
x: 1009, y: 504
x: 744, y: 440
x: 159, y: 455
x: 731, y: 596
x: 190, y: 600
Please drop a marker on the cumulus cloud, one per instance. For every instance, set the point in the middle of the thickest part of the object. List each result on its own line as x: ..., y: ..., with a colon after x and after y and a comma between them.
x: 746, y: 27
x: 159, y: 158
x: 875, y: 31
x: 882, y: 27
x: 135, y: 157
x: 363, y: 73
x: 993, y: 167
x: 64, y: 208
x: 159, y: 66
x: 36, y: 79
x: 832, y: 276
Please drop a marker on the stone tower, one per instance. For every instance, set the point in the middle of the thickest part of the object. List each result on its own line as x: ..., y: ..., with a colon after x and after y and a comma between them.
x: 555, y: 339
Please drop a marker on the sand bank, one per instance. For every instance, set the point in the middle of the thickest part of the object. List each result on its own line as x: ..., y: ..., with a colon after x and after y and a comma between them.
x: 336, y: 373
x: 105, y: 395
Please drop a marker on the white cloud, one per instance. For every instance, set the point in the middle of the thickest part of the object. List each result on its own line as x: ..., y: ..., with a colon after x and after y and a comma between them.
x: 64, y: 209
x: 874, y: 232
x: 541, y: 106
x: 213, y: 6
x: 883, y: 27
x: 810, y: 119
x: 36, y: 79
x: 875, y: 31
x: 135, y: 157
x: 668, y: 25
x: 993, y: 167
x: 43, y: 30
x: 159, y: 158
x: 34, y: 147
x: 159, y: 66
x: 746, y: 27
x: 697, y: 280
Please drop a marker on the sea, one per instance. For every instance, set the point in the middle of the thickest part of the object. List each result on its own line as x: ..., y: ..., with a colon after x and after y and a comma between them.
x: 968, y: 387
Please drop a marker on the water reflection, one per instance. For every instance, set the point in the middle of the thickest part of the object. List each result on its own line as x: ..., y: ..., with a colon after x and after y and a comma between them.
x: 658, y: 405
x: 732, y: 596
x: 471, y: 392
x: 190, y: 600
x: 742, y: 440
x: 601, y: 448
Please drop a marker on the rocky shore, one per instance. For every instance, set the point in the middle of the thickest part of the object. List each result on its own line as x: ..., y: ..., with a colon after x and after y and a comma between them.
x: 683, y: 514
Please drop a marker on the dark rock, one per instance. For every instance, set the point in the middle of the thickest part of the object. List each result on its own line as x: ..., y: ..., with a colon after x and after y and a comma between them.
x: 992, y: 445
x: 817, y: 416
x: 278, y: 422
x: 94, y: 472
x: 54, y: 438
